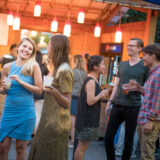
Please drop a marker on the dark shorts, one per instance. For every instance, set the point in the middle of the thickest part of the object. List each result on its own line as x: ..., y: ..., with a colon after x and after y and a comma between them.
x: 74, y: 105
x: 89, y: 134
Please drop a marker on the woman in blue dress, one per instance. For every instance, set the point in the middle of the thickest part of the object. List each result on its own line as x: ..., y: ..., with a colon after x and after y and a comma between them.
x: 18, y: 118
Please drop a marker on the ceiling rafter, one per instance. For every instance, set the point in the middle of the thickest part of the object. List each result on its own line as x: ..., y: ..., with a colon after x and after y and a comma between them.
x: 103, y: 12
x: 110, y: 14
x: 25, y: 7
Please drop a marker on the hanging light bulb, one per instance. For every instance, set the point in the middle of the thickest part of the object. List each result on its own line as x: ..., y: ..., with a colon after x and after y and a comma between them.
x: 16, y: 22
x: 81, y: 16
x: 97, y: 30
x: 37, y: 9
x: 67, y: 29
x: 10, y: 19
x: 118, y: 35
x: 54, y: 25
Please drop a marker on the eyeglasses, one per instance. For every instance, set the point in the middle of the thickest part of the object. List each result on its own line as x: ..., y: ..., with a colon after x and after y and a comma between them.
x: 131, y: 46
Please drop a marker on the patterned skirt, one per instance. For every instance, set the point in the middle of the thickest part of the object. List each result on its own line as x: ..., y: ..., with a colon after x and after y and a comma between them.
x: 87, y: 134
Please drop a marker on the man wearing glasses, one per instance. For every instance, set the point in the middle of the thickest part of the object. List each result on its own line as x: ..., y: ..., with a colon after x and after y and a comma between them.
x: 126, y: 104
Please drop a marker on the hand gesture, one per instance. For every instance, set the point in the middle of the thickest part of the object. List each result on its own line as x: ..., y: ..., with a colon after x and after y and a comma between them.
x: 148, y: 127
x: 4, y: 86
x: 134, y: 85
x: 16, y: 78
x: 49, y: 89
x: 104, y: 93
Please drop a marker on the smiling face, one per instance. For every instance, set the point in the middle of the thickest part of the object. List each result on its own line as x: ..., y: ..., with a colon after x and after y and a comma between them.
x: 133, y: 48
x: 25, y: 50
x: 148, y: 59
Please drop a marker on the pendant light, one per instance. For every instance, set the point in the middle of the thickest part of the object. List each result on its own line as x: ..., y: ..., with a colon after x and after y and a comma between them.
x: 16, y: 22
x: 81, y: 16
x: 97, y: 30
x: 67, y: 29
x: 54, y: 25
x: 118, y: 35
x: 37, y: 9
x: 10, y: 19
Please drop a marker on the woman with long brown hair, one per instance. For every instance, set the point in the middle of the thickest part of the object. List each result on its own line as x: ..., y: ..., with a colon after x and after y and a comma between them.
x: 18, y: 118
x: 51, y: 139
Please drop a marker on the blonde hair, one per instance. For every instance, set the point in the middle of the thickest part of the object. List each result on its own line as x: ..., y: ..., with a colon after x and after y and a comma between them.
x: 27, y: 68
x: 78, y: 62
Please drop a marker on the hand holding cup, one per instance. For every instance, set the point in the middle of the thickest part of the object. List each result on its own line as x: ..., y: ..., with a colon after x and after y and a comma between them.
x: 6, y: 83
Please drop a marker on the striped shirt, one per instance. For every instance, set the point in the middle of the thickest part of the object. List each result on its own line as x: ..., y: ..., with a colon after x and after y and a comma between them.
x: 150, y: 108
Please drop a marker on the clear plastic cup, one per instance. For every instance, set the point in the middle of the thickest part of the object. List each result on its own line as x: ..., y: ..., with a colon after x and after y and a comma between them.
x: 8, y: 82
x: 124, y: 88
x: 47, y: 81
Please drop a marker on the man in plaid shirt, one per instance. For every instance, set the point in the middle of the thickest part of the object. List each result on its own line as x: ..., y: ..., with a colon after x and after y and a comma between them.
x: 149, y: 115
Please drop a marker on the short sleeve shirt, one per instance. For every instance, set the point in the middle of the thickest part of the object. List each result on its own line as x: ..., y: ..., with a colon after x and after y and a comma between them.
x: 126, y: 73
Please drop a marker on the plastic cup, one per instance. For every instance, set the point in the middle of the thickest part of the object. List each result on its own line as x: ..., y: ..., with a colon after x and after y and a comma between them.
x: 132, y: 82
x: 8, y: 82
x: 124, y: 88
x: 47, y: 81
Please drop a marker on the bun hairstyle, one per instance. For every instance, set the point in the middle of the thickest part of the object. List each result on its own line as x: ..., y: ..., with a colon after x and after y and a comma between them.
x: 92, y: 61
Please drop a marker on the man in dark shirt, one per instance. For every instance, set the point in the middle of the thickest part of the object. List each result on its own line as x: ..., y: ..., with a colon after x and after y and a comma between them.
x: 126, y: 105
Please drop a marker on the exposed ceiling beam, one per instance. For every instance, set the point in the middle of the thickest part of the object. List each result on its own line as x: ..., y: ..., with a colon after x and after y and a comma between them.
x: 103, y: 12
x: 110, y: 14
x: 49, y: 17
x: 132, y: 3
x: 144, y: 10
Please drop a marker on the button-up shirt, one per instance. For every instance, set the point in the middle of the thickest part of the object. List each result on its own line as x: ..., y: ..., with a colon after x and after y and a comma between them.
x: 150, y: 109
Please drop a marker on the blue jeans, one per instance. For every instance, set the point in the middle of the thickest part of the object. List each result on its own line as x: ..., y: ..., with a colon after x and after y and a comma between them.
x: 120, y: 143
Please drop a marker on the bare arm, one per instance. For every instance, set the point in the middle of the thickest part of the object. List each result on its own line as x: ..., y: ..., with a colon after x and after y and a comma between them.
x: 63, y: 100
x: 115, y: 89
x: 90, y: 90
x: 37, y: 87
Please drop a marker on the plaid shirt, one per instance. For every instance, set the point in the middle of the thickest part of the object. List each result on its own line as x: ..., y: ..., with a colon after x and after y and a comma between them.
x: 150, y: 108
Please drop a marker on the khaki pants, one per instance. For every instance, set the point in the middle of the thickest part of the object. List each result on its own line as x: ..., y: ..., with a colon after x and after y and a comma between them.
x: 148, y: 141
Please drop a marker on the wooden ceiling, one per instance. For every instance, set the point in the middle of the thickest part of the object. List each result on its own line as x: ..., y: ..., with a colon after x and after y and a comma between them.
x: 133, y: 3
x: 62, y: 9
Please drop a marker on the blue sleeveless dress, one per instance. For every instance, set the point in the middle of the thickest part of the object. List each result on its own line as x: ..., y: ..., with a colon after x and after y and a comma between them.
x: 18, y: 118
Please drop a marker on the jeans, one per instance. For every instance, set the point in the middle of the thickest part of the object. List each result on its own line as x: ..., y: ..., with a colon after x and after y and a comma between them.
x: 118, y: 115
x: 120, y: 143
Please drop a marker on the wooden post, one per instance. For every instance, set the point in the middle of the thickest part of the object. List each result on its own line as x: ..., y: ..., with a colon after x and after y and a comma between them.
x: 150, y: 27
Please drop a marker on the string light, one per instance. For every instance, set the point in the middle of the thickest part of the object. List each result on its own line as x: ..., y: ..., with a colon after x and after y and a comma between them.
x: 67, y: 29
x: 10, y: 19
x: 97, y: 30
x: 37, y: 9
x: 81, y: 16
x: 16, y: 22
x: 54, y: 25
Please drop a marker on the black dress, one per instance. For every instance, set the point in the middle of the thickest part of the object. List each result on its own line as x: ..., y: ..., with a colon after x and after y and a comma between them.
x: 87, y: 118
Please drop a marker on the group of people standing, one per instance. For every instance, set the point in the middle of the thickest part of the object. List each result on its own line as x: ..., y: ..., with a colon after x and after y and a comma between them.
x: 142, y: 78
x: 83, y: 93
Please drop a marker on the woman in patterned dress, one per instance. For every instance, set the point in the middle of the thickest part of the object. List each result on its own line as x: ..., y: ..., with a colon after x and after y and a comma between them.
x: 51, y: 139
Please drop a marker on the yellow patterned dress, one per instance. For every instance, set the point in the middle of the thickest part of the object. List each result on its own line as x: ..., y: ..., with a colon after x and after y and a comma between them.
x: 51, y: 139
